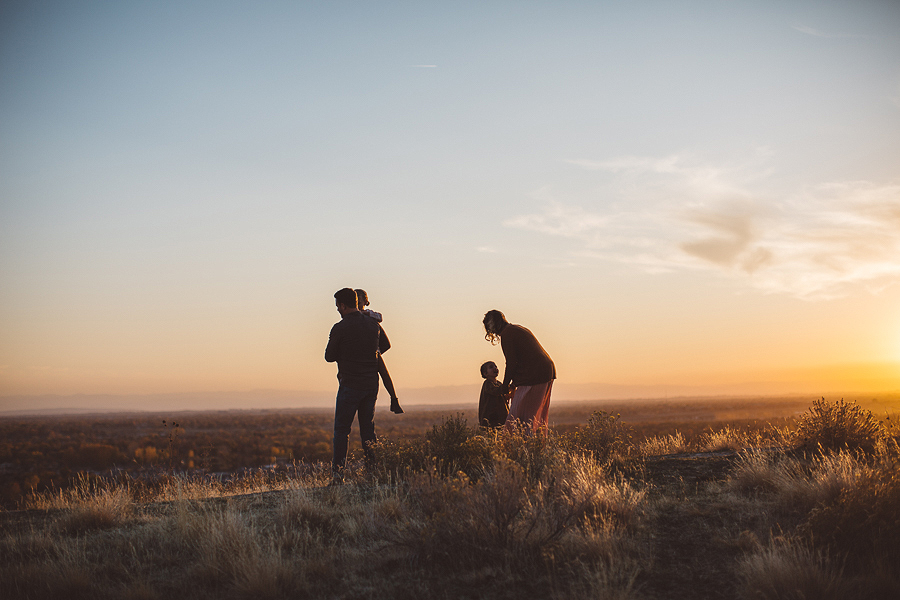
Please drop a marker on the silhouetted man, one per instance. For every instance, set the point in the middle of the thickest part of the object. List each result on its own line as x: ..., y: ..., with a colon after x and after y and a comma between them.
x: 355, y: 343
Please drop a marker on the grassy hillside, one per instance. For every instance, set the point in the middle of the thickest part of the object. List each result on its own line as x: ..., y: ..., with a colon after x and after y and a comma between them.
x: 812, y: 512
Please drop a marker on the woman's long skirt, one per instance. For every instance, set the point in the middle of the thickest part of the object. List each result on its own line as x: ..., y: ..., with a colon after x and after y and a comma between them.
x: 530, y: 405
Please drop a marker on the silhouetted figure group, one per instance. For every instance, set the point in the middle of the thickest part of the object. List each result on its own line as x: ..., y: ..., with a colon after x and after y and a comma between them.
x: 357, y: 342
x: 527, y: 379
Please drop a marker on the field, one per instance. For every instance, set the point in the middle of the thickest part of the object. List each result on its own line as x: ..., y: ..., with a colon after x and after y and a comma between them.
x: 38, y: 453
x: 686, y: 498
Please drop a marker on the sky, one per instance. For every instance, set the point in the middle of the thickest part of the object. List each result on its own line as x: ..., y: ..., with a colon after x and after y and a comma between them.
x: 672, y: 196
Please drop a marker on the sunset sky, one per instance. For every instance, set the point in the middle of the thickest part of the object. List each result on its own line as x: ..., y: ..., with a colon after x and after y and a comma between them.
x: 672, y: 196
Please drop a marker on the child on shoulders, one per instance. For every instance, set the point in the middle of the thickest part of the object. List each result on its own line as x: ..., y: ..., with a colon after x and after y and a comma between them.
x: 362, y: 300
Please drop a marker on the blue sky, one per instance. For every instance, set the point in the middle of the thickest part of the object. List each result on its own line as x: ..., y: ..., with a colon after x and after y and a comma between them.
x: 183, y: 186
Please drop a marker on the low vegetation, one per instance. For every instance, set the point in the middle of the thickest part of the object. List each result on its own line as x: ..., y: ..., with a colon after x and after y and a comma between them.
x: 597, y: 511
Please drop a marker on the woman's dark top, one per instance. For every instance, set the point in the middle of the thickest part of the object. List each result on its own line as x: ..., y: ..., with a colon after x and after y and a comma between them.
x: 527, y: 363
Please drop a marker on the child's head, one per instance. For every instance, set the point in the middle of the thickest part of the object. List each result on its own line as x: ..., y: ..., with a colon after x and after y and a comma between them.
x: 362, y: 299
x: 489, y: 370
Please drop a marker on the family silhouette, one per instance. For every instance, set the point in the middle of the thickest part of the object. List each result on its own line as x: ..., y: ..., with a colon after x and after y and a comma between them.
x: 358, y: 342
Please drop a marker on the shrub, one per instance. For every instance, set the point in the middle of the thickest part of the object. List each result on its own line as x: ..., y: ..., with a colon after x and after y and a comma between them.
x: 535, y: 454
x: 395, y: 460
x: 756, y: 471
x: 604, y: 437
x: 791, y: 571
x: 863, y: 522
x: 834, y: 426
x: 795, y: 485
x: 454, y: 446
x: 503, y: 521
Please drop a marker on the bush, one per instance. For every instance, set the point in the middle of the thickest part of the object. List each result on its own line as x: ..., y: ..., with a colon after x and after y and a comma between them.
x: 864, y: 521
x: 836, y: 426
x: 603, y: 438
x: 535, y: 454
x: 394, y: 461
x: 504, y: 521
x: 454, y: 446
x: 450, y: 447
x: 796, y: 485
x: 790, y: 571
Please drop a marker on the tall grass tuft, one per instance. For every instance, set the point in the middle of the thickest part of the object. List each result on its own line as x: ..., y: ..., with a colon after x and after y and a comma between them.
x: 88, y: 505
x: 603, y: 438
x: 836, y: 426
x: 862, y: 523
x: 506, y: 522
x: 788, y: 570
x: 449, y: 447
x: 794, y: 484
x: 234, y: 555
x: 727, y: 438
x: 666, y: 444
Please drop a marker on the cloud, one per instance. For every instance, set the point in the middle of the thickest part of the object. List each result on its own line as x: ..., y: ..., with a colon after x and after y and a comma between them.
x: 673, y: 214
x: 559, y: 220
x: 822, y: 34
x: 731, y: 236
x: 424, y: 66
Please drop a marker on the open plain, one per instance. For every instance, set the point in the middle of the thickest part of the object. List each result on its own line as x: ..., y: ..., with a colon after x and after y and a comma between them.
x: 795, y: 505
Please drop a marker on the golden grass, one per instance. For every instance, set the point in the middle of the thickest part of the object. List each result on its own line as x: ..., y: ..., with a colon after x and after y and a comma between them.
x: 791, y: 571
x: 470, y: 513
x: 665, y: 444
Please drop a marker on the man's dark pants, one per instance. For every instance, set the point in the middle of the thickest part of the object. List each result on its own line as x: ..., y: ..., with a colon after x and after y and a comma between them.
x: 350, y: 403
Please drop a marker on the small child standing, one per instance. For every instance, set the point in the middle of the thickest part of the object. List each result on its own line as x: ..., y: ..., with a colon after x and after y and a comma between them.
x: 493, y: 406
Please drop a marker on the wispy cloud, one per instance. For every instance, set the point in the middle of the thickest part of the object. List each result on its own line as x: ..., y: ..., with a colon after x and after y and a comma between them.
x: 822, y: 34
x: 818, y: 242
x: 424, y: 66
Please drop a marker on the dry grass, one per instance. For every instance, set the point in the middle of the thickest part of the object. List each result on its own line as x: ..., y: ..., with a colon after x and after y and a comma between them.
x: 604, y: 437
x: 862, y: 523
x: 836, y: 426
x: 792, y: 571
x: 726, y: 438
x: 666, y: 444
x: 838, y: 512
x: 354, y: 540
x: 474, y: 513
x: 791, y: 484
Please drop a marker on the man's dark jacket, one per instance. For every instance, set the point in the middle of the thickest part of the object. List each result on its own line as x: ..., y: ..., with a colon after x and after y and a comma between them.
x: 355, y: 343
